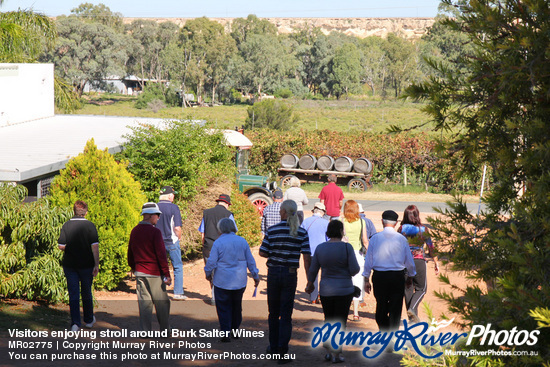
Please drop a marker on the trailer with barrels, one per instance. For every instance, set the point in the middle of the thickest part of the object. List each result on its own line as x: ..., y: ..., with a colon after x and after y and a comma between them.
x: 355, y: 174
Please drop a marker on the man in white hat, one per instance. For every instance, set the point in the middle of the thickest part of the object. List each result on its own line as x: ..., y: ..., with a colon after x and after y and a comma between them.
x: 147, y: 258
x: 316, y: 227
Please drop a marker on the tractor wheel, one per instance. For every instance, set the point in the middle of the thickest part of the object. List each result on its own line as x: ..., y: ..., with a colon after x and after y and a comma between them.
x: 260, y: 201
x: 285, y: 181
x: 357, y: 185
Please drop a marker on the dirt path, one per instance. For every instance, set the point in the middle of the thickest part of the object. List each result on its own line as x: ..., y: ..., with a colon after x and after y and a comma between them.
x: 118, y: 311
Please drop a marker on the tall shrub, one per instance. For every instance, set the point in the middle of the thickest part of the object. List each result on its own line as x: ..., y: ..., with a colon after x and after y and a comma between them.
x: 181, y: 154
x: 246, y: 217
x: 271, y: 114
x: 29, y: 258
x: 114, y: 201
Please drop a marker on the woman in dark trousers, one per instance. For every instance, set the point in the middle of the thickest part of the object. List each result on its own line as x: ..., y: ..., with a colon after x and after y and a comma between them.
x: 417, y: 235
x: 338, y: 263
x: 230, y: 257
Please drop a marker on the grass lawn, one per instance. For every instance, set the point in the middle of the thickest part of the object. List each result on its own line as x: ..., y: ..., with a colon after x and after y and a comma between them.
x: 343, y: 115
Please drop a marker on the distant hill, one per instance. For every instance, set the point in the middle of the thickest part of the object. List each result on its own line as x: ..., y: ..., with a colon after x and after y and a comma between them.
x: 359, y: 27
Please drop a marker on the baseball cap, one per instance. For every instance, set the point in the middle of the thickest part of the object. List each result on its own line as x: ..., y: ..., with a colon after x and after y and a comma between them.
x: 278, y: 194
x: 167, y: 190
x: 320, y: 205
x: 390, y: 215
x: 225, y: 198
x: 150, y: 208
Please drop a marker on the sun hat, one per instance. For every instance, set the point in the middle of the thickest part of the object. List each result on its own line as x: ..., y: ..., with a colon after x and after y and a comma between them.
x: 150, y: 208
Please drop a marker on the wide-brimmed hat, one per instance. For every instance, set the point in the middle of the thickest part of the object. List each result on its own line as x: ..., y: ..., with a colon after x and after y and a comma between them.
x: 321, y: 206
x: 225, y: 198
x: 150, y: 208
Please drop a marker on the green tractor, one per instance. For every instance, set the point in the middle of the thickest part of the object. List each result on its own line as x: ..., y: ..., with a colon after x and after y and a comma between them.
x: 258, y: 188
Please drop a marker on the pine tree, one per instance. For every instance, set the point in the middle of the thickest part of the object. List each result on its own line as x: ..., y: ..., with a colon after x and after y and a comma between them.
x: 500, y: 110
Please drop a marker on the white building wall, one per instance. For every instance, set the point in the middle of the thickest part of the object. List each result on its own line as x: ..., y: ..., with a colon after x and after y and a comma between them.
x: 26, y: 92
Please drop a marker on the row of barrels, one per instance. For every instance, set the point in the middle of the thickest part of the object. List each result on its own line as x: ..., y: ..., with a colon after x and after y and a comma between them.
x: 327, y: 163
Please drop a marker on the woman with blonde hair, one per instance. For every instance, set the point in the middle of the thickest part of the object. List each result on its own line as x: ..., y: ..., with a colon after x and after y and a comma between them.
x: 355, y: 229
x: 298, y: 195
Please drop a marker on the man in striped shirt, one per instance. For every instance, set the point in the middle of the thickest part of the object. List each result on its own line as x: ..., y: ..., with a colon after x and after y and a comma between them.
x: 282, y: 245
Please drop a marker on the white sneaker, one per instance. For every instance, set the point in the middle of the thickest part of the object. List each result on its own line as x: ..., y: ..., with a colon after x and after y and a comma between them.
x: 90, y: 324
x: 179, y: 297
x: 75, y: 327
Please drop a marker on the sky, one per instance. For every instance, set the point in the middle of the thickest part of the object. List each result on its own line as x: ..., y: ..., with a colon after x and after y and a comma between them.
x: 241, y: 8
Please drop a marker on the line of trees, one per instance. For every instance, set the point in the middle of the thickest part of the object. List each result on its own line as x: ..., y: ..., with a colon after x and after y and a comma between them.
x: 212, y: 62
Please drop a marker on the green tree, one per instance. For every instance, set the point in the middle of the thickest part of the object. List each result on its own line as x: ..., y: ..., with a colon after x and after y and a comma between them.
x: 346, y: 70
x: 264, y: 59
x: 242, y: 28
x: 305, y: 39
x: 99, y: 13
x: 150, y: 38
x: 374, y: 62
x: 445, y: 45
x: 500, y: 110
x: 88, y: 51
x: 29, y: 259
x: 114, y: 201
x: 271, y: 114
x: 208, y: 50
x: 402, y: 63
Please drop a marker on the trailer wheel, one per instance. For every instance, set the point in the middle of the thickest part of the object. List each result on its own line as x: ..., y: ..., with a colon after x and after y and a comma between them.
x: 285, y: 181
x: 357, y: 184
x: 260, y: 201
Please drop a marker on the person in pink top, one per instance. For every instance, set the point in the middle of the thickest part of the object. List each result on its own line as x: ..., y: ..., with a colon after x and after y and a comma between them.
x: 333, y: 197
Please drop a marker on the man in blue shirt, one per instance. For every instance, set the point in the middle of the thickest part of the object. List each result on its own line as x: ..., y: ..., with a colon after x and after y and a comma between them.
x: 388, y: 255
x: 316, y: 227
x: 169, y: 224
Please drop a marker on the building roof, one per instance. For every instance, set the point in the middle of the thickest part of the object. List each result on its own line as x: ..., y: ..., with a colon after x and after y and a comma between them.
x: 40, y: 147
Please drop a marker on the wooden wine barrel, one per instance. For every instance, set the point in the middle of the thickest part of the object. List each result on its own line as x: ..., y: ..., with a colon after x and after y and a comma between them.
x: 325, y: 162
x: 343, y: 164
x: 362, y: 165
x: 307, y: 161
x: 289, y: 160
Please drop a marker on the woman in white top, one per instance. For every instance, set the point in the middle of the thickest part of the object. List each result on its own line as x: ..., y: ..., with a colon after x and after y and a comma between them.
x: 298, y: 195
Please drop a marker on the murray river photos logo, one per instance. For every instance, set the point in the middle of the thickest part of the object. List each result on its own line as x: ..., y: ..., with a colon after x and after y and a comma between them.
x: 416, y: 336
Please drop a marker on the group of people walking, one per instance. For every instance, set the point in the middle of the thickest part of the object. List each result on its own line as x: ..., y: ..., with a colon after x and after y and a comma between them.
x: 346, y: 249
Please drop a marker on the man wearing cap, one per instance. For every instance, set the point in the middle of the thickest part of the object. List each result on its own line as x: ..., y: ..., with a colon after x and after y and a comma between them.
x: 333, y: 197
x: 388, y: 255
x: 316, y: 227
x: 147, y: 258
x: 169, y: 224
x: 271, y: 214
x: 209, y: 227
